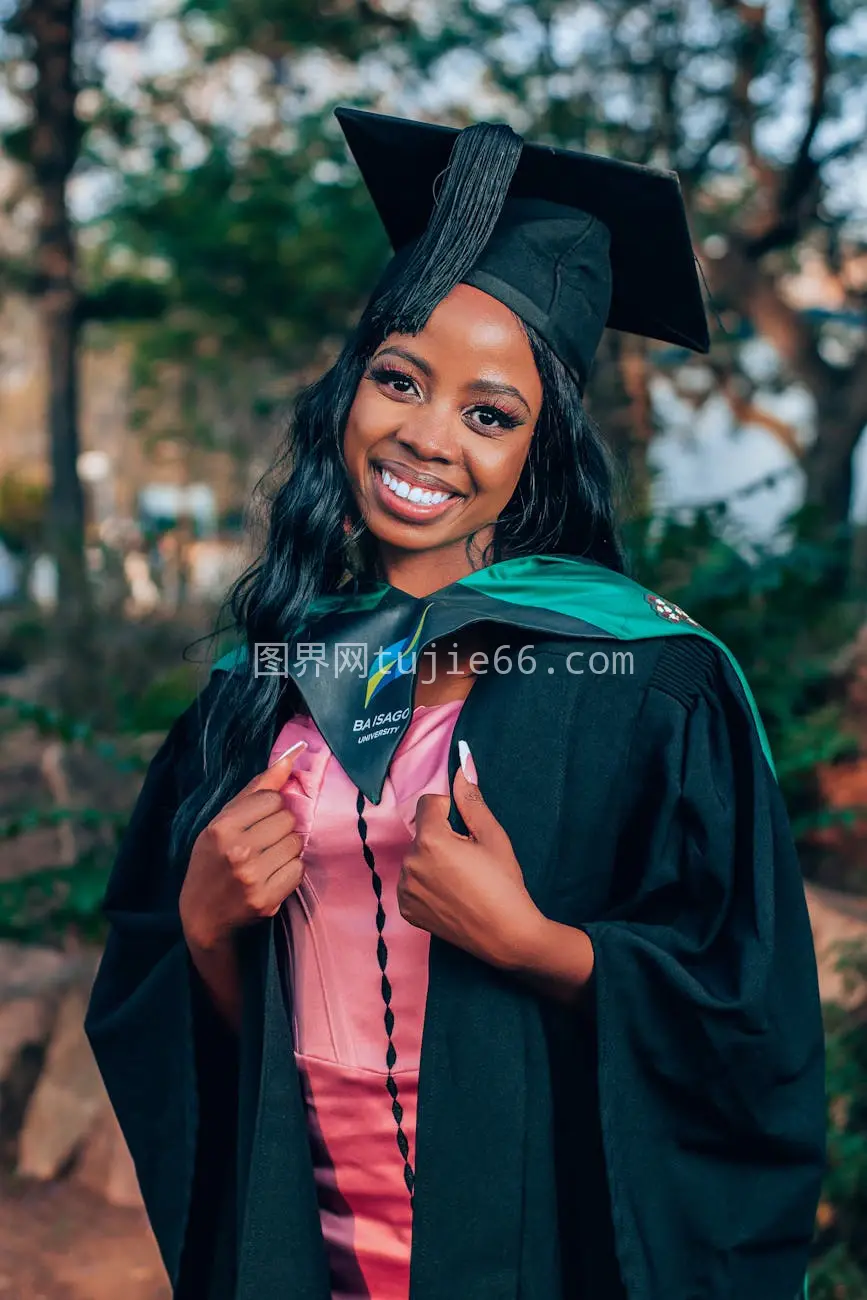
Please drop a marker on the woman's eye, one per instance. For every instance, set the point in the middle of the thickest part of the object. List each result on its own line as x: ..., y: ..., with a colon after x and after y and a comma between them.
x: 498, y: 419
x: 488, y: 417
x: 393, y: 377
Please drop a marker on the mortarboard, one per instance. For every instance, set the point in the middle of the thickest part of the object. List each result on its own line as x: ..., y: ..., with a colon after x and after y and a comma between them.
x: 580, y: 241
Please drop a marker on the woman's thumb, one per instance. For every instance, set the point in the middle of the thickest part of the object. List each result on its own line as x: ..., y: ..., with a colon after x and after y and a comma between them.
x: 277, y: 773
x: 478, y: 818
x: 468, y: 767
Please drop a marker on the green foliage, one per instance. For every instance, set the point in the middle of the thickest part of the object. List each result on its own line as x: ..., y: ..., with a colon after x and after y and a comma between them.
x: 234, y: 267
x: 276, y: 29
x: 163, y: 700
x: 45, y: 906
x: 785, y: 618
x: 840, y: 1270
x: 256, y: 256
x: 22, y: 640
x: 785, y: 615
x: 22, y: 511
x: 50, y: 722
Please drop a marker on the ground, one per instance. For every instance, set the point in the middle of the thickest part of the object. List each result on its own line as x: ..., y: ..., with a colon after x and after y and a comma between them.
x: 57, y: 1242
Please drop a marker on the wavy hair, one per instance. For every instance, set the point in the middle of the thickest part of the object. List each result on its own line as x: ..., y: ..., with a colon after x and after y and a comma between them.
x: 563, y: 505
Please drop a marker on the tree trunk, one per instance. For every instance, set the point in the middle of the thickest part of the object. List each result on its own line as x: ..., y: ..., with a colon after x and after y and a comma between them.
x: 54, y: 148
x: 66, y: 522
x: 828, y: 467
x: 840, y: 394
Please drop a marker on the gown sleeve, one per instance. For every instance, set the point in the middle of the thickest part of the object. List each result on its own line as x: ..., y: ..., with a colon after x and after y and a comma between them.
x: 168, y: 1061
x: 706, y: 1008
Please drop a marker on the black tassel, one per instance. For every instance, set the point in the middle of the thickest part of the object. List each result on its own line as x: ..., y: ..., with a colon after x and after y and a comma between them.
x: 382, y: 958
x: 481, y: 166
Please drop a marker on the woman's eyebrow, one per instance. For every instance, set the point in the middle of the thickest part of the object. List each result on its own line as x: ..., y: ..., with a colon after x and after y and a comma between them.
x: 424, y: 366
x: 490, y: 386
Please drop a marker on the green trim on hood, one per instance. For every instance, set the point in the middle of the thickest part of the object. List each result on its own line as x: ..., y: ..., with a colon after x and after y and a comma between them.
x: 616, y: 604
x: 563, y: 585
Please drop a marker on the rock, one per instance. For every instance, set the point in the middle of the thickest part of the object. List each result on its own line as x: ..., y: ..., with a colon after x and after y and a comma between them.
x: 22, y: 1023
x: 27, y: 971
x: 29, y: 977
x: 105, y: 1165
x: 843, y: 787
x: 837, y: 920
x: 66, y: 1099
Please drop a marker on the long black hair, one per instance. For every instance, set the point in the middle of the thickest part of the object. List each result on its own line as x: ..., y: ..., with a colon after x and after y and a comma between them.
x: 317, y: 541
x: 563, y: 505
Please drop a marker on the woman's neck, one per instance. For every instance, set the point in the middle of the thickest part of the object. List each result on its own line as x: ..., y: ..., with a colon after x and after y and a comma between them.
x: 447, y: 670
x: 419, y: 573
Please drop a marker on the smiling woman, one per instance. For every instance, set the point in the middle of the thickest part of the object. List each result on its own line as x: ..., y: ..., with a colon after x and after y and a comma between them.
x: 498, y: 984
x: 417, y: 423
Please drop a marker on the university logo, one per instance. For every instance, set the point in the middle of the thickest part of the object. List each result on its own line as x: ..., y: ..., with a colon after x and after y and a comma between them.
x: 393, y: 662
x: 665, y: 609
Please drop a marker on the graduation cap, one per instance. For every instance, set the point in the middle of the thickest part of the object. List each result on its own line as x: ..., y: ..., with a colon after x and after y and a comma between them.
x: 570, y: 241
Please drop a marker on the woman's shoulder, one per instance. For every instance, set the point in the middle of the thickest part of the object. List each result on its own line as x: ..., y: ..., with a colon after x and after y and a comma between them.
x: 682, y: 666
x: 622, y: 628
x: 651, y: 683
x: 181, y: 752
x: 186, y: 730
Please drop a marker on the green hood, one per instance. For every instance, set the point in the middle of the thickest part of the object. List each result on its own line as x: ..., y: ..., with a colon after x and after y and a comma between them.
x: 368, y: 644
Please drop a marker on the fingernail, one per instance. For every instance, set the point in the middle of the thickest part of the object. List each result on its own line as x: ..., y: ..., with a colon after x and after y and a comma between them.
x: 468, y: 767
x: 299, y: 744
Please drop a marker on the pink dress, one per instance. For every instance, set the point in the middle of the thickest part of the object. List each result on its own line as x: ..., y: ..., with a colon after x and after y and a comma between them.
x: 338, y: 1009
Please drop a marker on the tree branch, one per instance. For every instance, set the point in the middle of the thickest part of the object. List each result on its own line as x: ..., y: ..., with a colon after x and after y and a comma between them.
x: 798, y: 188
x: 692, y: 174
x: 749, y: 49
x: 738, y: 277
x: 125, y: 300
x: 858, y: 393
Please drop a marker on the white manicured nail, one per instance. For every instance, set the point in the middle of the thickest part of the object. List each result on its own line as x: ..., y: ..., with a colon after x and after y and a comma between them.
x: 468, y: 767
x: 299, y: 744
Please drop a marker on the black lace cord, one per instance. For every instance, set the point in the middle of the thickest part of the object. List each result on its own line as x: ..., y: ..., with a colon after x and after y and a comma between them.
x: 382, y: 957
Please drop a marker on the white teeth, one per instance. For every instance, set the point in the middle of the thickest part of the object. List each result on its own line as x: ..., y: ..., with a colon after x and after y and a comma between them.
x: 418, y: 495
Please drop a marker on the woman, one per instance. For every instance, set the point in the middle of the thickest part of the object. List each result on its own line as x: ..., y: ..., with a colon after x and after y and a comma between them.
x: 484, y: 971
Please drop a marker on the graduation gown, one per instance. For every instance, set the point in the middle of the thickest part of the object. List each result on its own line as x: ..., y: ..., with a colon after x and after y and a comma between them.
x: 662, y: 1138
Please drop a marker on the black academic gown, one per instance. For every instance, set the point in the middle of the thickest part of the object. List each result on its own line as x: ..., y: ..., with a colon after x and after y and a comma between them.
x: 663, y: 1139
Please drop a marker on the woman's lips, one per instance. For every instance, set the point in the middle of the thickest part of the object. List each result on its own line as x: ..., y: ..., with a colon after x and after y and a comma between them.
x: 402, y: 508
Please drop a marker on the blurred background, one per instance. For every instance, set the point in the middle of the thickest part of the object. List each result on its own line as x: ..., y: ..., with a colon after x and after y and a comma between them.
x: 183, y: 242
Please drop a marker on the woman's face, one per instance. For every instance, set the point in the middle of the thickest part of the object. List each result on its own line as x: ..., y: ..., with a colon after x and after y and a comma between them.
x: 441, y: 424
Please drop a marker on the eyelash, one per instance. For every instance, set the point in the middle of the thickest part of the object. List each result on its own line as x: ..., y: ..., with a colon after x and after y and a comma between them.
x: 508, y: 419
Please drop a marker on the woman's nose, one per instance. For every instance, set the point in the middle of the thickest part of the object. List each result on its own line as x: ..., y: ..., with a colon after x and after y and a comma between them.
x: 429, y: 437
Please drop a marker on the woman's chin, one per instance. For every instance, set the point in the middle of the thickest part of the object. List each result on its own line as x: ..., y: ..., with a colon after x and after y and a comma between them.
x: 406, y: 525
x: 405, y: 536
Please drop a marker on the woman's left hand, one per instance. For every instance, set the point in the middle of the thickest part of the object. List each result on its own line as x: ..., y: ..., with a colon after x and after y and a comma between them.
x: 468, y: 890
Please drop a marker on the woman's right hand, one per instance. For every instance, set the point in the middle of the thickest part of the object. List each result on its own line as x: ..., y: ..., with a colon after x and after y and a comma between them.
x: 245, y: 862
